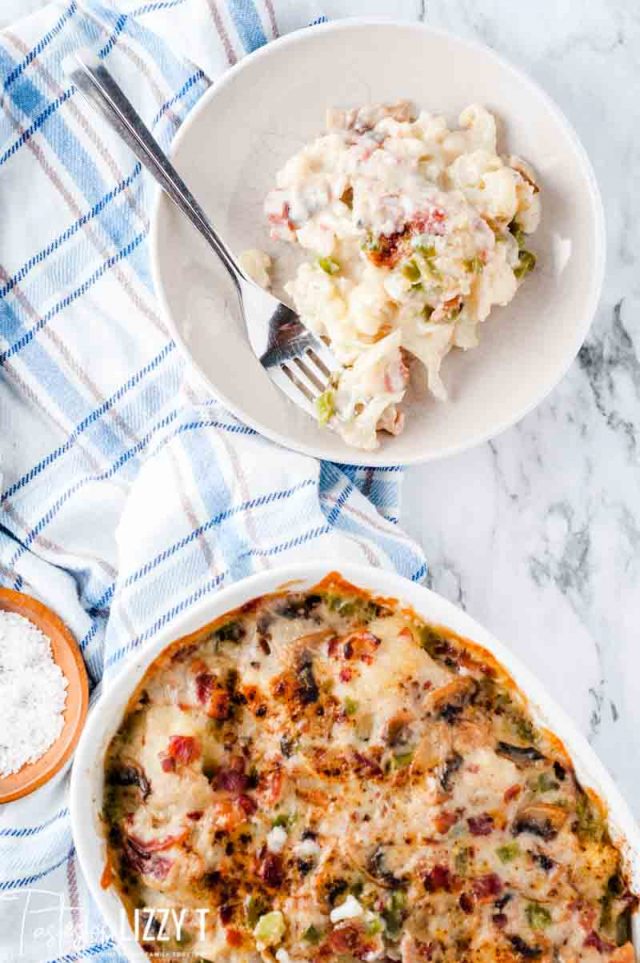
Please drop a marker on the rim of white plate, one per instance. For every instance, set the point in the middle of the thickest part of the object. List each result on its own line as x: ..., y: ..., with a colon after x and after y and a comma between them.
x: 383, y: 457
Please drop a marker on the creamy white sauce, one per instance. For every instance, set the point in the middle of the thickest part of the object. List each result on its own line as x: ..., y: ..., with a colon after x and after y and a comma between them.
x: 442, y: 201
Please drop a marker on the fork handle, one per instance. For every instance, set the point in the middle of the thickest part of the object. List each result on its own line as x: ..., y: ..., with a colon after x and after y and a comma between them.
x: 95, y: 82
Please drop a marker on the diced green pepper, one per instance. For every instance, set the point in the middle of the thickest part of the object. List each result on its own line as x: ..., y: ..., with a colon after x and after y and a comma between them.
x: 538, y: 916
x: 348, y: 607
x: 588, y: 822
x: 284, y: 819
x: 373, y: 925
x: 430, y: 639
x: 523, y: 727
x: 325, y: 406
x: 508, y: 852
x: 411, y: 271
x: 517, y: 233
x: 526, y: 263
x: 312, y: 934
x: 403, y: 759
x: 474, y: 265
x: 230, y: 632
x: 356, y: 888
x: 254, y: 908
x: 427, y: 250
x: 462, y: 859
x: 329, y: 265
x: 371, y: 243
x: 394, y: 912
x: 545, y: 783
x: 350, y: 706
x: 270, y: 928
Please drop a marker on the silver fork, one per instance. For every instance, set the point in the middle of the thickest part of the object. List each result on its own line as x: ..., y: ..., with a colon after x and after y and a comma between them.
x: 295, y: 359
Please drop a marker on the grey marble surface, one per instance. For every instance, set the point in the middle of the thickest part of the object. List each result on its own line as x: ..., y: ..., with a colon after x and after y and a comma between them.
x: 537, y: 534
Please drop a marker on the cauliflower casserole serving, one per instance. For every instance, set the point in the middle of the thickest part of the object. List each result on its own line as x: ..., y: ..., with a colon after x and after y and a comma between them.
x: 415, y: 231
x: 324, y: 776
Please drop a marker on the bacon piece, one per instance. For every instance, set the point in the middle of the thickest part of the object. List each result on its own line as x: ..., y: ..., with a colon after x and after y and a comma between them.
x: 481, y: 825
x: 180, y: 751
x: 205, y: 684
x: 214, y: 697
x: 445, y: 820
x: 360, y: 646
x: 413, y: 951
x: 486, y: 888
x: 234, y: 937
x: 184, y: 749
x: 389, y: 249
x: 233, y: 779
x: 512, y: 793
x: 270, y: 870
x: 247, y: 804
x: 146, y: 863
x: 270, y: 788
x: 466, y: 903
x: 438, y: 878
x: 596, y: 941
x: 145, y: 848
x: 349, y: 939
x: 366, y: 766
x: 429, y: 222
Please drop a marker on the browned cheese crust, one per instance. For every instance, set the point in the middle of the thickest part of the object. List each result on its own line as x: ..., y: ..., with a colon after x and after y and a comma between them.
x: 332, y: 778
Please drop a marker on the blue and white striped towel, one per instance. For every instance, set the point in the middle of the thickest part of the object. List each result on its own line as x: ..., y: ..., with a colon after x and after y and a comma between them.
x: 126, y: 494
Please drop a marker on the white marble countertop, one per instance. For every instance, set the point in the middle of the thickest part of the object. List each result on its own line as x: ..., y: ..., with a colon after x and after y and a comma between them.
x: 540, y: 540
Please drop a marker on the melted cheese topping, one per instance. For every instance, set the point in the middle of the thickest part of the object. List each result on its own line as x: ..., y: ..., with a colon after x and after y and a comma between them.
x: 323, y: 776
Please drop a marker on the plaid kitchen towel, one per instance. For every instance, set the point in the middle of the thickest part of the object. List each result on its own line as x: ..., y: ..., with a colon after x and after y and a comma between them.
x: 127, y: 494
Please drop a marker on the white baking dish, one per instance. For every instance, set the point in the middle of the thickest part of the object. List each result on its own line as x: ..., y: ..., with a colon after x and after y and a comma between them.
x: 87, y: 777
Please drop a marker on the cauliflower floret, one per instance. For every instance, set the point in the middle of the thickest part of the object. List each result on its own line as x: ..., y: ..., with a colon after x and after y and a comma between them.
x: 411, y: 232
x: 481, y: 126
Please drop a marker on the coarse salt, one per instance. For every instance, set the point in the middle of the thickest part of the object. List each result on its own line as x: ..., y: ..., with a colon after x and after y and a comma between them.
x: 32, y: 693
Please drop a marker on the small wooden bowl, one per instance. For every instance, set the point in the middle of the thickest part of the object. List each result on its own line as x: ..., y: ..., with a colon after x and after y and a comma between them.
x: 66, y: 654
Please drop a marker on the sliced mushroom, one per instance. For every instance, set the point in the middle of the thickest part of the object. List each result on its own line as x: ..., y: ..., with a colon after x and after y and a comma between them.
x: 525, y: 950
x: 306, y: 688
x: 540, y: 819
x: 521, y: 755
x: 396, y: 729
x: 377, y: 869
x: 450, y: 767
x: 372, y: 864
x: 449, y: 700
x: 432, y: 750
x: 130, y: 775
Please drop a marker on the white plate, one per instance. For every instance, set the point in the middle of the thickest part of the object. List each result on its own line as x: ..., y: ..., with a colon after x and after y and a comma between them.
x: 87, y: 775
x: 263, y: 110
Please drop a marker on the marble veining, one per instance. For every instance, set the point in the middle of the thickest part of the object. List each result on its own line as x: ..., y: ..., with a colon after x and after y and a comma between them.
x: 540, y: 536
